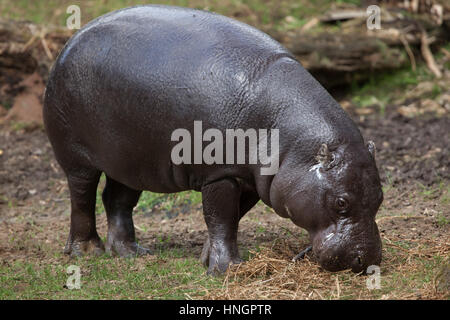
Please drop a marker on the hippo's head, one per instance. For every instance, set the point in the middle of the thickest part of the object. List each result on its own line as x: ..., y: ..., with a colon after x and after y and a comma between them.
x: 336, y: 201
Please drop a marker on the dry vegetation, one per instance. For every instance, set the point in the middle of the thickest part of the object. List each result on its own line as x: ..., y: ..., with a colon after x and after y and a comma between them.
x: 270, y: 274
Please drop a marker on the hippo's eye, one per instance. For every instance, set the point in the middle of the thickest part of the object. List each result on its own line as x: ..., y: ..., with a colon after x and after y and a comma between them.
x: 341, y: 204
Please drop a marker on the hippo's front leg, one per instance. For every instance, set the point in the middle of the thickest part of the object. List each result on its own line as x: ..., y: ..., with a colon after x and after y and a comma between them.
x: 221, y: 211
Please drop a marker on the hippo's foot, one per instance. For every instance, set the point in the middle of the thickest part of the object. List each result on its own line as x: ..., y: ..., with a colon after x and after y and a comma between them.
x: 125, y: 249
x: 218, y: 257
x: 78, y: 248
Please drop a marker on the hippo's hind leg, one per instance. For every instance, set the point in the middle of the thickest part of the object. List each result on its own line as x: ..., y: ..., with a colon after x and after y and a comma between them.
x: 83, y: 237
x: 222, y: 204
x: 119, y: 201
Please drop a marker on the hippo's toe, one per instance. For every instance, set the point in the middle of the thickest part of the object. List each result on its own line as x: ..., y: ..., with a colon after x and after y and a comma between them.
x: 125, y: 249
x: 77, y: 248
x: 218, y: 257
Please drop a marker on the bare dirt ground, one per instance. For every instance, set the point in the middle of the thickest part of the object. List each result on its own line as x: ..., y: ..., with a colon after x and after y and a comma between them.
x: 413, y: 159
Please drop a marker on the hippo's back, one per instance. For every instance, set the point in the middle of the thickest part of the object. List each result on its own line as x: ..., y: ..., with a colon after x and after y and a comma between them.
x: 191, y: 61
x: 128, y: 79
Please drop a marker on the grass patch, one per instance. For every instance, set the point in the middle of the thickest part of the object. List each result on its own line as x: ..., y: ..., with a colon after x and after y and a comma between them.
x: 442, y: 220
x: 171, y: 204
x: 382, y: 89
x: 433, y: 192
x: 398, y: 86
x: 167, y: 202
x: 255, y: 12
x: 164, y: 276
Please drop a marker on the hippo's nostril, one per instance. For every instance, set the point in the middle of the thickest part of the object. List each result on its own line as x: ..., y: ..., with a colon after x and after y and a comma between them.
x: 358, y: 264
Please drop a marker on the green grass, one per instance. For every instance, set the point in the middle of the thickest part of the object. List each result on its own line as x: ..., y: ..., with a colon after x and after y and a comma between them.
x: 260, y: 12
x: 445, y: 198
x: 429, y: 193
x: 167, y: 202
x: 166, y: 276
x: 171, y: 273
x: 442, y: 220
x: 17, y: 125
x: 382, y: 89
x: 175, y: 273
x: 389, y: 183
x: 149, y: 201
x: 395, y: 282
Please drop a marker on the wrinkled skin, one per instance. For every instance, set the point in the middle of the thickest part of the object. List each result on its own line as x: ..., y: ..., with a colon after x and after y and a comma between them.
x: 127, y: 80
x: 346, y: 236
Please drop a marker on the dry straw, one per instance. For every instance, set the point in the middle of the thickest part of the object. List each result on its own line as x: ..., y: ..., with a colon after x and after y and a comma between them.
x: 270, y: 274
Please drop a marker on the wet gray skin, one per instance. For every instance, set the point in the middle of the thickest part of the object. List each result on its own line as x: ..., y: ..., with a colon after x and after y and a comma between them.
x: 340, y: 195
x: 127, y: 80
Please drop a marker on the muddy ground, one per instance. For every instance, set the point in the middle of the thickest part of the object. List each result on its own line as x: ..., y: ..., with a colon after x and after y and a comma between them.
x: 412, y: 155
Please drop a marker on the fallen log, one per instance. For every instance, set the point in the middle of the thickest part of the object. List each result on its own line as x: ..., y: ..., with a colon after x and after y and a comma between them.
x: 338, y: 56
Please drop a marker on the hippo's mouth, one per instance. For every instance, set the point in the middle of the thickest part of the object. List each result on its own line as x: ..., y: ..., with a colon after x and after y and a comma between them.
x: 333, y: 264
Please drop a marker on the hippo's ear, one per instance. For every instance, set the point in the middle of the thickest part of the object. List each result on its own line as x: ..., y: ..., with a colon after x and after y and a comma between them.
x: 371, y: 147
x: 327, y: 158
x: 324, y: 156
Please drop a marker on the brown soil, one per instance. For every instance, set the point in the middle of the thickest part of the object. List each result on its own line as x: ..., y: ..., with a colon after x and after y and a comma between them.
x: 409, y: 149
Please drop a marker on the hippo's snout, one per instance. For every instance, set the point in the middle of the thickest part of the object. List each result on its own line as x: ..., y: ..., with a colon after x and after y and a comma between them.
x: 357, y: 262
x: 348, y: 251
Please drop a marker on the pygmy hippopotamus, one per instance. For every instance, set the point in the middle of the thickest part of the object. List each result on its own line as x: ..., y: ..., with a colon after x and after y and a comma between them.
x: 128, y: 85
